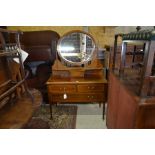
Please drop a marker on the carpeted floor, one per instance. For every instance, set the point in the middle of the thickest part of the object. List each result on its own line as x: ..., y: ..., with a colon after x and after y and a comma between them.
x: 64, y: 117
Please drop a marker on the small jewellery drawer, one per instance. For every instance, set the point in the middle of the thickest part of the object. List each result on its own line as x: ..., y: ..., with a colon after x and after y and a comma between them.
x: 77, y: 97
x: 62, y: 88
x: 91, y: 88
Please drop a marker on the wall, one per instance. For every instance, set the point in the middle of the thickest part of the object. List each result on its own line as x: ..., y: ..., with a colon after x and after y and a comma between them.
x: 102, y: 35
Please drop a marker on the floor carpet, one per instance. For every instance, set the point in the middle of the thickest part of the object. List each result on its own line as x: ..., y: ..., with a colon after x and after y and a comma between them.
x: 64, y: 117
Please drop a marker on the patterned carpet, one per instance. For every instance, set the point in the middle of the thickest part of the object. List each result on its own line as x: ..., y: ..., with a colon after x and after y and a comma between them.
x: 64, y: 117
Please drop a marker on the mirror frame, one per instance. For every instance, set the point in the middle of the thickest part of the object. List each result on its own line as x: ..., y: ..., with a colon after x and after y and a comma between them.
x: 71, y: 62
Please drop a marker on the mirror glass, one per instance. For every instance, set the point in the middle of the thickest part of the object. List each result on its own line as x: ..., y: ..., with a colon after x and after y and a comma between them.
x: 76, y: 48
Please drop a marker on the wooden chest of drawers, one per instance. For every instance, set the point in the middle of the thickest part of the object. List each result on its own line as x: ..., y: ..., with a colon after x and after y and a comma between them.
x: 77, y: 90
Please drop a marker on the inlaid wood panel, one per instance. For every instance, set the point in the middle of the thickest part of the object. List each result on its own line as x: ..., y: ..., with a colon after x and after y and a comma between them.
x: 61, y: 88
x: 77, y: 97
x: 91, y: 88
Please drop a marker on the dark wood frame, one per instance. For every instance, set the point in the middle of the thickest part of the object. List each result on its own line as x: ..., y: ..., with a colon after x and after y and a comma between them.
x: 149, y: 52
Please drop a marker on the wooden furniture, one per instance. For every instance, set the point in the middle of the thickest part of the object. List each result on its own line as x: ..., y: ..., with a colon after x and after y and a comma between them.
x: 77, y: 78
x: 131, y: 92
x: 17, y: 114
x: 41, y: 47
x: 16, y: 106
x: 134, y: 54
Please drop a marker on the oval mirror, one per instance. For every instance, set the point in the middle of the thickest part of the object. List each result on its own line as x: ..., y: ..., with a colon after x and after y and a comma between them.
x: 76, y: 48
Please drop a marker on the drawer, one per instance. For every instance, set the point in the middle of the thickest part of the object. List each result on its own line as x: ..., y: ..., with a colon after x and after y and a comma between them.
x: 91, y: 88
x: 100, y: 97
x: 61, y: 88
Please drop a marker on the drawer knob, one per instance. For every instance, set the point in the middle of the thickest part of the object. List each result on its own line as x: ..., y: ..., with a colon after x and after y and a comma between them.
x: 88, y: 96
x: 65, y: 96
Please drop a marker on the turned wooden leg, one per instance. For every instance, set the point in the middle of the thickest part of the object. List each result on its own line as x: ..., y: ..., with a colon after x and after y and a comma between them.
x: 103, y: 110
x: 51, y: 111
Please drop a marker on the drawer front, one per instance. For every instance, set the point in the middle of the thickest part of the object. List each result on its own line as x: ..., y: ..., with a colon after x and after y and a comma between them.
x: 100, y: 97
x: 61, y: 88
x: 91, y: 88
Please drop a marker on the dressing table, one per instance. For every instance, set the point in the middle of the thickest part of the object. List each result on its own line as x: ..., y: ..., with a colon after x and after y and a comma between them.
x: 77, y: 74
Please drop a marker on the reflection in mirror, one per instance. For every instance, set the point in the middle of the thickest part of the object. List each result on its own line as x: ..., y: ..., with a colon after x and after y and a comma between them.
x: 76, y: 48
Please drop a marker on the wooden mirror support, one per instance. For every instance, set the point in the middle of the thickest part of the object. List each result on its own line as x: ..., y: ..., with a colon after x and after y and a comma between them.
x: 78, y: 84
